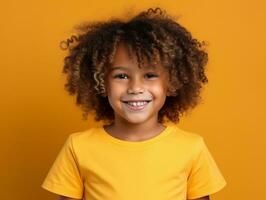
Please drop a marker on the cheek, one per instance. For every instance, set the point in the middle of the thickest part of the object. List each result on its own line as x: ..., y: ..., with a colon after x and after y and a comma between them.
x: 158, y: 89
x: 115, y: 89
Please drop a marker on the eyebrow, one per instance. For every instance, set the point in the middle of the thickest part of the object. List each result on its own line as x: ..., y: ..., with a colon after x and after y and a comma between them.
x: 118, y: 67
x: 125, y: 68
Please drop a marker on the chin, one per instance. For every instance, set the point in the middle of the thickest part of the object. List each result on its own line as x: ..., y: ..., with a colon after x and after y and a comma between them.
x: 135, y: 122
x: 135, y: 119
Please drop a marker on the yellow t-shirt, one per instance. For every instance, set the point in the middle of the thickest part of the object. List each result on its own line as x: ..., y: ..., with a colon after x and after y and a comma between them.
x: 174, y: 165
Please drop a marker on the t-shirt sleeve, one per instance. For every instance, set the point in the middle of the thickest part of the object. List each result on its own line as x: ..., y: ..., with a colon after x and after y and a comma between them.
x: 205, y: 177
x: 64, y: 176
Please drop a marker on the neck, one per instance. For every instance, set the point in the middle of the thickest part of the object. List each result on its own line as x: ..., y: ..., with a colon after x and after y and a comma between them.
x: 135, y: 132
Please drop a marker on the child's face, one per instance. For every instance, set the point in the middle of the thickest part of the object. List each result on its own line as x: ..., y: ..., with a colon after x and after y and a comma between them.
x: 126, y: 82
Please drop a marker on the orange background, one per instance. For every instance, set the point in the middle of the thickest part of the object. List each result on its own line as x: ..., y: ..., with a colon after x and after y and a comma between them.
x: 37, y: 114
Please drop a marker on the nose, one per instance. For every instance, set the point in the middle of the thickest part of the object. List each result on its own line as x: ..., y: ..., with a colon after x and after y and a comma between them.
x: 135, y: 86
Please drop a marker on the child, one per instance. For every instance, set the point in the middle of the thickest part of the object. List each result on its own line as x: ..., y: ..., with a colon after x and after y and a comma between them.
x: 138, y: 76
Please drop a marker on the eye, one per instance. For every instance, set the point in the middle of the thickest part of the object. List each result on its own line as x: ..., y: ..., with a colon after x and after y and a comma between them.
x: 151, y: 75
x: 120, y: 76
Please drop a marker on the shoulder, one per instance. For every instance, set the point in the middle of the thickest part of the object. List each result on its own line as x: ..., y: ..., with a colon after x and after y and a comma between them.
x: 83, y: 138
x: 185, y: 141
x: 79, y: 135
x: 185, y: 136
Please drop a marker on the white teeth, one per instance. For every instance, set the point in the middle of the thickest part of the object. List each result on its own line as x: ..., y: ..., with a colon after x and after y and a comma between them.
x: 137, y: 103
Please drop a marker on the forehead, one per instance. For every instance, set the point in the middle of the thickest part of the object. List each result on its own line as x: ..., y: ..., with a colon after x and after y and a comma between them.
x: 123, y: 61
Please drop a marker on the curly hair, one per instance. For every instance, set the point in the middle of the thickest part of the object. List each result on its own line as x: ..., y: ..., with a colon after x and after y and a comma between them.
x: 151, y: 35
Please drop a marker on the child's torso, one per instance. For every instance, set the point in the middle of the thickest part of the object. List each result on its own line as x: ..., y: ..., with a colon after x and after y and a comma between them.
x: 154, y: 169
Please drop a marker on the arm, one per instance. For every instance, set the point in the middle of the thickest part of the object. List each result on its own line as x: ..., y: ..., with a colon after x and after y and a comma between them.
x: 66, y: 198
x: 203, y: 198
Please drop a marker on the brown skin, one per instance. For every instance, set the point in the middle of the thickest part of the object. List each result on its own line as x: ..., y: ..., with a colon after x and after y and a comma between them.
x: 129, y: 82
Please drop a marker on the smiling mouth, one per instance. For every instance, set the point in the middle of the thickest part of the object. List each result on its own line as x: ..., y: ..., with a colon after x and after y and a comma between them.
x: 137, y: 102
x: 136, y: 105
